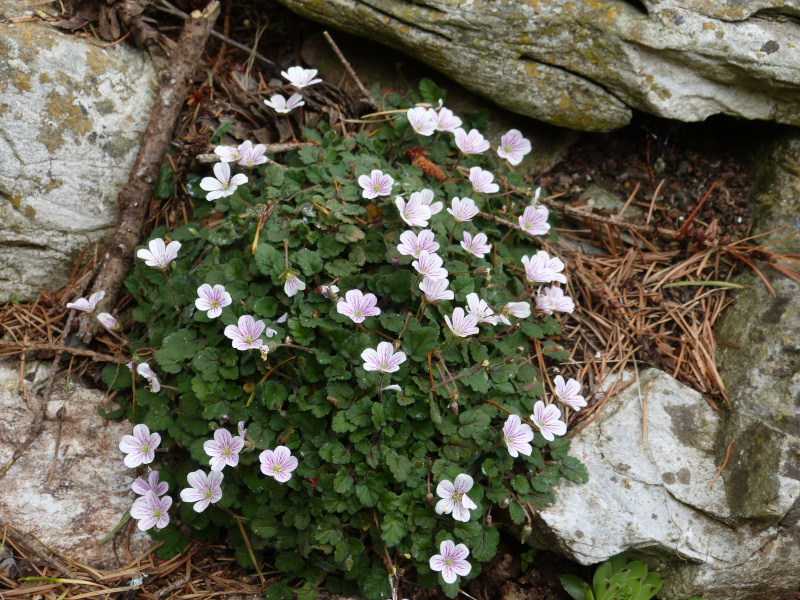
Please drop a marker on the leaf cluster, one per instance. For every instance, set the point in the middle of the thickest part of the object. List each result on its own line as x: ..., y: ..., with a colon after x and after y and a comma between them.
x: 368, y: 461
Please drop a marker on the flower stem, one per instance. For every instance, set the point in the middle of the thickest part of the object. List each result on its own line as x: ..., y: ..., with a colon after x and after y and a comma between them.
x: 455, y: 166
x: 380, y: 385
x: 450, y: 343
x: 247, y: 204
x: 171, y: 293
x: 452, y: 231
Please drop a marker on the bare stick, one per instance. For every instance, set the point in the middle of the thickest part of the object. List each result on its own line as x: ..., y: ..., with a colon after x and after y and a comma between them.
x: 98, y: 356
x: 134, y: 199
x: 177, y: 12
x: 367, y: 96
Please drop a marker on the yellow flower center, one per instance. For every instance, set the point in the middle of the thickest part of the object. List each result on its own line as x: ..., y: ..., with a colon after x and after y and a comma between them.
x: 277, y: 469
x: 145, y: 448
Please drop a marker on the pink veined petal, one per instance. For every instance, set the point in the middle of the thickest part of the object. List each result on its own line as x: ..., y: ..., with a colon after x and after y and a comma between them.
x: 202, y: 504
x: 445, y: 489
x: 445, y: 506
x: 461, y: 567
x: 459, y: 552
x: 463, y: 483
x: 460, y: 513
x: 449, y: 574
x: 437, y: 562
x: 140, y: 487
x: 197, y: 479
x: 129, y: 444
x: 467, y: 502
x: 134, y: 459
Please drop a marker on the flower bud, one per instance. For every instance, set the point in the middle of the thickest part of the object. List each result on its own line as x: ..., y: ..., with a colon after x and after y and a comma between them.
x: 526, y: 532
x: 430, y: 499
x: 505, y: 502
x: 396, y: 344
x: 483, y: 272
x: 212, y: 426
x: 454, y: 406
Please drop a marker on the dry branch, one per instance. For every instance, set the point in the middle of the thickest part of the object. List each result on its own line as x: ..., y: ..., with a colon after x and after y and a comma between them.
x: 134, y: 199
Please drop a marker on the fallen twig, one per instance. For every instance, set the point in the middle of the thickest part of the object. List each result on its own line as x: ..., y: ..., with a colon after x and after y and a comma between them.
x: 134, y: 198
x: 367, y: 96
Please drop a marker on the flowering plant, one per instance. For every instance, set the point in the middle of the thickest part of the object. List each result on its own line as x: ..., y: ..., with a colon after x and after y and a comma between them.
x: 332, y: 476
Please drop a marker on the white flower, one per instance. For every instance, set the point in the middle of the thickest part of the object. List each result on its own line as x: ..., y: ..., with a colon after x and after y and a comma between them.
x: 222, y: 184
x: 430, y: 265
x: 463, y: 209
x: 151, y: 511
x: 282, y: 106
x: 358, y: 306
x: 415, y: 213
x: 245, y: 336
x: 329, y: 291
x: 472, y: 143
x: 300, y: 77
x: 481, y: 310
x: 534, y: 220
x: 454, y: 498
x: 513, y: 147
x: 444, y: 119
x: 451, y: 562
x: 482, y: 181
x: 569, y: 392
x: 516, y: 436
x: 521, y: 310
x: 553, y: 299
x: 436, y: 289
x: 421, y: 121
x: 463, y: 325
x: 145, y: 371
x: 411, y: 244
x: 291, y: 284
x: 205, y: 490
x: 212, y: 300
x: 426, y: 197
x: 477, y: 245
x: 543, y: 269
x: 252, y: 156
x: 89, y: 305
x: 223, y: 449
x: 109, y: 322
x: 228, y: 154
x: 139, y: 447
x: 384, y: 359
x: 376, y: 184
x: 160, y: 255
x: 546, y: 419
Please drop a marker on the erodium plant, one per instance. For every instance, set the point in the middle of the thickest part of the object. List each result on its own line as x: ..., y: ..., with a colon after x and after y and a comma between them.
x: 374, y: 339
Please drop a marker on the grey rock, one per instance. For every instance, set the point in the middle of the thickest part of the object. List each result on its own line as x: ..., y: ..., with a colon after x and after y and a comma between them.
x: 71, y: 119
x: 90, y: 490
x: 586, y: 64
x: 650, y: 498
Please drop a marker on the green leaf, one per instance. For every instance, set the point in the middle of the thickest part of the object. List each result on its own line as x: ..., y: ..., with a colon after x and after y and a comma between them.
x: 223, y: 128
x: 307, y: 592
x: 309, y: 262
x: 269, y: 260
x: 484, y: 545
x: 419, y: 340
x: 430, y: 92
x: 576, y: 587
x: 574, y: 470
x: 165, y: 186
x: 176, y: 348
x: 393, y: 528
x: 375, y: 585
x: 399, y: 465
x: 368, y: 492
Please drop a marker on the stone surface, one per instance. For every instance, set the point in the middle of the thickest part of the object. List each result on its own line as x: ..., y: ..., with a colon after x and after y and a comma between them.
x: 91, y: 487
x: 650, y: 498
x: 71, y: 119
x: 586, y: 64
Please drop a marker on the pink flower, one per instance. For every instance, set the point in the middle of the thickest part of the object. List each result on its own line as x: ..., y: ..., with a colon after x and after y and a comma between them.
x: 454, y: 498
x: 482, y: 181
x: 228, y: 154
x: 245, y: 336
x: 282, y: 106
x: 328, y: 291
x: 145, y: 371
x: 109, y: 322
x: 479, y: 308
x: 534, y: 220
x: 139, y: 447
x: 300, y: 77
x: 553, y: 299
x: 160, y: 255
x: 141, y: 487
x: 212, y: 299
x: 477, y: 245
x: 569, y: 392
x: 513, y: 147
x: 151, y: 511
x: 358, y: 306
x: 278, y: 464
x: 415, y: 213
x: 520, y: 310
x: 411, y: 244
x: 436, y: 289
x: 223, y: 449
x: 444, y: 119
x: 384, y: 359
x: 430, y: 265
x: 291, y: 283
x: 426, y: 197
x: 421, y: 121
x: 543, y: 269
x: 462, y: 325
x: 451, y: 561
x: 463, y: 209
x: 546, y: 419
x: 252, y: 156
x: 205, y: 490
x: 222, y: 184
x: 376, y: 184
x: 472, y: 143
x: 89, y: 305
x: 516, y: 436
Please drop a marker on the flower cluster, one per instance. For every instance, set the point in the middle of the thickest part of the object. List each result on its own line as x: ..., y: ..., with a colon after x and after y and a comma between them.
x: 348, y: 269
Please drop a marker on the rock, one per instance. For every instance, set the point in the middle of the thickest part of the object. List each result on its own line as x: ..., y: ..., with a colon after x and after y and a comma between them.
x: 71, y: 119
x: 586, y: 64
x: 91, y: 487
x: 651, y: 499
